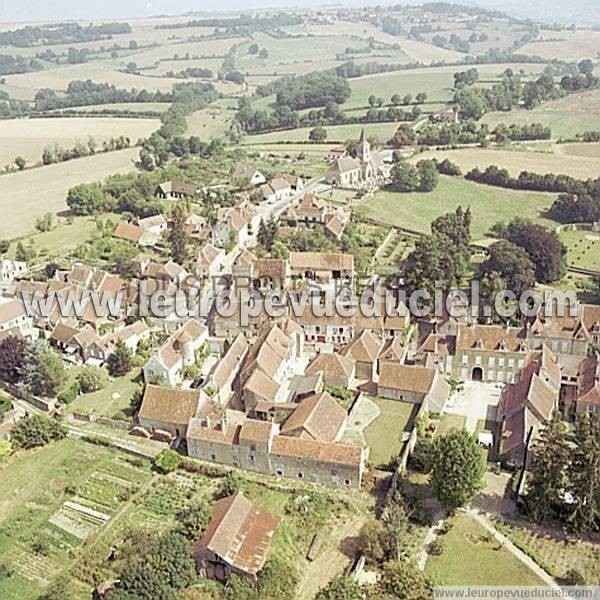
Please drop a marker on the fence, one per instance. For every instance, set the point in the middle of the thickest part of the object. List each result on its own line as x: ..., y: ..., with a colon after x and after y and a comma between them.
x: 39, y: 403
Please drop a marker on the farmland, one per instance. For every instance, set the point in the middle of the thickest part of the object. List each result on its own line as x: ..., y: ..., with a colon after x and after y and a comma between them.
x: 565, y: 45
x: 563, y: 159
x: 488, y: 204
x: 29, y: 137
x: 29, y: 194
x: 209, y: 123
x: 587, y: 103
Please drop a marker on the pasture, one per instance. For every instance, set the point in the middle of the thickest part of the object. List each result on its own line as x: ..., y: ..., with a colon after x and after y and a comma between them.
x: 564, y: 45
x: 563, y: 159
x: 29, y: 137
x: 470, y: 557
x: 583, y: 248
x: 29, y: 194
x: 488, y: 204
x: 563, y: 123
x: 209, y: 123
x: 586, y: 103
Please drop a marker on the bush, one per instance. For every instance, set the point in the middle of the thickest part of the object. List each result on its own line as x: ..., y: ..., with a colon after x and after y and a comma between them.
x: 423, y: 455
x: 574, y: 577
x: 436, y: 548
x: 35, y: 431
x: 229, y: 486
x: 167, y: 461
x: 69, y: 394
x: 92, y: 379
x: 446, y: 527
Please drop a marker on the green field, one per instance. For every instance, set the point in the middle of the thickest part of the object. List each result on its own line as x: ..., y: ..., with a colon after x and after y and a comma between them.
x: 583, y: 248
x: 384, y: 434
x: 335, y: 134
x: 563, y: 124
x: 209, y: 123
x: 470, y: 558
x: 488, y: 204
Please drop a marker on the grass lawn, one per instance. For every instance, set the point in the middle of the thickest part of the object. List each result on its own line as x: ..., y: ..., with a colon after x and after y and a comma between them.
x: 109, y: 401
x: 449, y: 422
x: 469, y: 559
x: 384, y: 434
x: 583, y: 248
x: 563, y: 123
x: 39, y: 536
x: 554, y: 554
x: 209, y: 123
x: 488, y: 204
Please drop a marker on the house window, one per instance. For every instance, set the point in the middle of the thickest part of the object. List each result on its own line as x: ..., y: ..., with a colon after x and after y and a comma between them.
x: 511, y: 363
x: 253, y: 447
x: 465, y: 359
x: 347, y: 482
x: 279, y: 472
x: 300, y: 475
x: 213, y: 456
x: 491, y: 361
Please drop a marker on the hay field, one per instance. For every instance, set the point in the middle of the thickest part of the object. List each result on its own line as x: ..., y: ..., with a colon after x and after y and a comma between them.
x: 583, y: 248
x: 587, y: 103
x: 25, y: 85
x: 563, y: 123
x: 565, y: 45
x: 29, y: 137
x: 206, y: 48
x: 214, y: 64
x: 29, y: 194
x: 560, y: 161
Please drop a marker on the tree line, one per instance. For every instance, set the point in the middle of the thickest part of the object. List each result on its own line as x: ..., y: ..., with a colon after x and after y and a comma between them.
x: 61, y: 33
x: 18, y: 64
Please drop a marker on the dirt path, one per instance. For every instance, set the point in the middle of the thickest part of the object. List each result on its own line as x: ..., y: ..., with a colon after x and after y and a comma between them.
x: 331, y: 559
x: 430, y: 536
x: 517, y: 552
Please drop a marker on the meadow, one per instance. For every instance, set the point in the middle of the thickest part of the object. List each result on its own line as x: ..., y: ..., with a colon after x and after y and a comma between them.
x: 563, y: 123
x: 563, y: 159
x: 587, y: 103
x: 209, y: 123
x: 564, y: 45
x: 29, y: 194
x: 488, y: 204
x: 29, y: 137
x: 583, y: 248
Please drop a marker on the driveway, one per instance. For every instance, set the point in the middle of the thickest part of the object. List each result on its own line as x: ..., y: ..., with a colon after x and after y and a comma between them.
x: 477, y: 401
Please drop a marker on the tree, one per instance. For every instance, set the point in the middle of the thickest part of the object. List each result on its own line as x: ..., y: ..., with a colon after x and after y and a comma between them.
x: 12, y: 354
x: 421, y: 97
x: 92, y: 379
x: 318, y: 134
x: 428, y: 175
x: 396, y: 99
x: 405, y: 136
x: 20, y: 162
x: 405, y: 177
x: 43, y: 371
x: 585, y: 66
x: 194, y: 520
x: 167, y: 461
x: 584, y: 475
x: 230, y: 485
x: 120, y: 361
x: 267, y: 232
x: 34, y: 431
x: 550, y: 457
x: 131, y: 67
x: 24, y: 253
x: 264, y: 53
x: 179, y: 236
x: 512, y: 264
x: 4, y: 246
x: 87, y: 199
x: 141, y: 581
x: 171, y: 557
x: 458, y: 468
x: 372, y: 100
x: 253, y: 49
x: 341, y: 587
x: 404, y: 581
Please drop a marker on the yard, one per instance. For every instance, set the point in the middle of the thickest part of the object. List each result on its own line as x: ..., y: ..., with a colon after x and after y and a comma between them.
x: 384, y: 434
x: 488, y: 204
x: 583, y: 248
x: 470, y: 557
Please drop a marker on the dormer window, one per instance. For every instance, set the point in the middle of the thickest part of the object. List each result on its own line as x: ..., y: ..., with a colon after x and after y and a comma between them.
x: 479, y: 344
x: 503, y: 346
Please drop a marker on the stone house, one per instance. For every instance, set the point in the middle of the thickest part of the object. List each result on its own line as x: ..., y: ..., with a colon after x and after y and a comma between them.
x: 156, y: 224
x: 338, y: 370
x: 135, y: 234
x: 208, y: 261
x: 11, y: 269
x: 364, y: 350
x: 247, y: 173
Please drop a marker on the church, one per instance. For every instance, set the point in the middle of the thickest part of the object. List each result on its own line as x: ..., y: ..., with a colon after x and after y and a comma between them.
x: 362, y: 171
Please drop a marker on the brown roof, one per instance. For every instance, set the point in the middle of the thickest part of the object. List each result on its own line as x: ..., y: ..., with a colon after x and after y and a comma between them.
x: 170, y: 351
x: 393, y: 349
x: 10, y: 310
x: 230, y: 360
x: 322, y: 261
x: 331, y: 363
x: 63, y: 333
x: 490, y: 337
x: 170, y: 405
x: 199, y: 430
x: 152, y: 221
x: 129, y: 231
x: 311, y: 206
x: 256, y: 431
x: 334, y: 453
x: 178, y: 187
x: 262, y: 386
x: 239, y: 533
x: 410, y: 378
x: 346, y: 164
x: 270, y: 267
x: 364, y: 347
x: 317, y: 417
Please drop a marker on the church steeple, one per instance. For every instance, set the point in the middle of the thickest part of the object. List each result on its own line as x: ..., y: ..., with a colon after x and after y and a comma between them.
x: 363, y: 150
